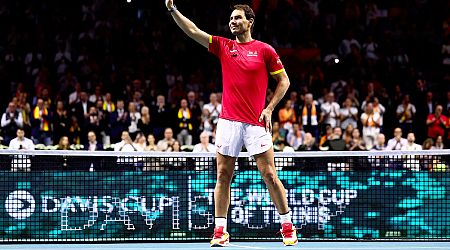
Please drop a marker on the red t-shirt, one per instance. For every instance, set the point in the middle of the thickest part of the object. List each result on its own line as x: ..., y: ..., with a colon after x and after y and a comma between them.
x: 245, y: 74
x: 436, y: 128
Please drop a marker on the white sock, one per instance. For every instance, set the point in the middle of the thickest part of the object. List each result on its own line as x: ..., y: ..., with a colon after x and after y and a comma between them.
x: 221, y: 222
x: 286, y: 218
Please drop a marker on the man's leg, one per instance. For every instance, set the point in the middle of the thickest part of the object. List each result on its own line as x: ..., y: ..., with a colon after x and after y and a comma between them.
x: 225, y: 169
x: 266, y: 166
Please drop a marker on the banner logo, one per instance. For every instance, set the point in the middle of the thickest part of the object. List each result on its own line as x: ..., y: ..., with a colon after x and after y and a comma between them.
x: 20, y: 204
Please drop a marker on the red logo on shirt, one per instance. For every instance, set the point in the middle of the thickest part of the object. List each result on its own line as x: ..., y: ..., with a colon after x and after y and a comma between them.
x: 263, y: 145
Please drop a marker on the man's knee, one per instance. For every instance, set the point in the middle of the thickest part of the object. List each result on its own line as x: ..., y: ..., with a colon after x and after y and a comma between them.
x: 270, y: 178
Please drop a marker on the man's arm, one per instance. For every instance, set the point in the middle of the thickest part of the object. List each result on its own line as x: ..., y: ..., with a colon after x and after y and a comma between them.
x: 188, y: 26
x: 282, y: 86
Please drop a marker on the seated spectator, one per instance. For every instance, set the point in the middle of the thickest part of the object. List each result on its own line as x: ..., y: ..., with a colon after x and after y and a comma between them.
x: 357, y: 143
x: 202, y: 163
x: 295, y: 136
x: 11, y: 121
x: 125, y: 145
x: 347, y: 136
x: 93, y: 144
x: 326, y: 136
x: 439, y: 144
x: 151, y: 143
x: 411, y: 145
x: 164, y: 144
x: 380, y: 142
x: 63, y: 143
x: 397, y: 142
x: 335, y: 141
x: 436, y: 123
x: 278, y: 136
x: 140, y: 142
x: 21, y: 162
x: 309, y: 143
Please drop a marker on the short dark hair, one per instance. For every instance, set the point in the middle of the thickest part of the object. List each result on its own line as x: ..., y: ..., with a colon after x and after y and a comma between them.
x: 249, y: 13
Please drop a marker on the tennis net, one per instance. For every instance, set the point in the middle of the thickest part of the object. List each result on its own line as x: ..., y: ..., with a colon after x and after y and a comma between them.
x: 111, y: 196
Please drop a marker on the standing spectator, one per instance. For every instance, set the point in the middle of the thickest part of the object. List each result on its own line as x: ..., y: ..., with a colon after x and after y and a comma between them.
x: 436, y: 123
x: 92, y: 143
x: 287, y: 116
x: 74, y: 131
x: 119, y: 121
x: 11, y: 121
x: 161, y: 116
x: 371, y: 123
x: 74, y: 97
x: 108, y: 104
x: 184, y: 121
x: 329, y: 112
x: 144, y: 124
x: 97, y: 94
x: 310, y: 119
x: 348, y: 114
x: 397, y: 142
x: 214, y: 107
x: 21, y: 162
x: 405, y: 114
x: 93, y: 123
x: 40, y: 122
x: 135, y: 116
x: 278, y: 136
x: 61, y: 122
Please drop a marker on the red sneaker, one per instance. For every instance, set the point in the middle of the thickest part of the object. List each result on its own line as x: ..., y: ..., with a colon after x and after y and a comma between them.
x: 289, y: 234
x: 220, y: 238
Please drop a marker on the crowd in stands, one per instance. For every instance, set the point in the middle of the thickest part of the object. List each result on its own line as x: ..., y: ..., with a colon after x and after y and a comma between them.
x: 112, y: 75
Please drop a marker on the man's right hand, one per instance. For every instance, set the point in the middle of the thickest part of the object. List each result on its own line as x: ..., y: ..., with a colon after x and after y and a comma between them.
x: 169, y: 4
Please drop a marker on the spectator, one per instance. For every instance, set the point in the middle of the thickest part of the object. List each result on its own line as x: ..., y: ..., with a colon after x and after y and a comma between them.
x: 126, y: 144
x: 135, y: 116
x: 206, y: 124
x: 161, y: 116
x: 19, y: 162
x: 357, y: 143
x: 97, y: 94
x: 335, y: 141
x: 63, y: 143
x: 329, y: 112
x: 120, y: 120
x: 108, y: 104
x: 411, y: 145
x: 202, y: 163
x: 397, y: 142
x: 439, y: 144
x: 11, y: 121
x: 140, y: 142
x: 295, y: 136
x: 214, y: 107
x: 427, y: 144
x: 92, y: 143
x: 380, y: 142
x: 309, y: 143
x: 310, y: 119
x: 405, y: 114
x: 436, y: 123
x: 151, y: 143
x: 144, y: 124
x: 278, y: 136
x: 82, y: 109
x: 371, y: 123
x: 40, y: 122
x: 184, y: 121
x: 61, y: 122
x: 287, y: 116
x: 348, y: 114
x: 164, y: 144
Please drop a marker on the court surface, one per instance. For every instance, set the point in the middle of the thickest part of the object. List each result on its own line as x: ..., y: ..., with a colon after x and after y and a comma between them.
x: 244, y: 245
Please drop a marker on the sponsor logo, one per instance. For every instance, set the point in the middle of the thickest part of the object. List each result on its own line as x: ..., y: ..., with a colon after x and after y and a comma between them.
x: 251, y: 53
x: 20, y: 204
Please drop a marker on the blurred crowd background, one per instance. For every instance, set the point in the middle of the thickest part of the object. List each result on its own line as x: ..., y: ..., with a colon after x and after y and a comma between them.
x: 100, y: 75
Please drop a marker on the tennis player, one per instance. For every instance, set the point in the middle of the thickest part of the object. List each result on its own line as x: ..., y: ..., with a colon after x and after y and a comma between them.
x: 244, y: 120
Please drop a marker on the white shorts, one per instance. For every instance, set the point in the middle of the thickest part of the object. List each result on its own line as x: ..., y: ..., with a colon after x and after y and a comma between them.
x: 232, y: 135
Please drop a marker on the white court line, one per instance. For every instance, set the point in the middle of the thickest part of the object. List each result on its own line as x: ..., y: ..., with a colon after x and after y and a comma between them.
x: 371, y: 248
x: 247, y: 247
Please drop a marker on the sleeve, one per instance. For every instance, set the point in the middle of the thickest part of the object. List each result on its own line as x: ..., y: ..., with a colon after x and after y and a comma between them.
x: 215, y: 45
x: 272, y: 60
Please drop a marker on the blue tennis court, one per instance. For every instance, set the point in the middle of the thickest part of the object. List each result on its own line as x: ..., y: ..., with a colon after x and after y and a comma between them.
x: 329, y: 245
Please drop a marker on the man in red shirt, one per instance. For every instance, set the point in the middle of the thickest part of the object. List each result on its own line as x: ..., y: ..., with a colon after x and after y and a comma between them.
x: 244, y: 120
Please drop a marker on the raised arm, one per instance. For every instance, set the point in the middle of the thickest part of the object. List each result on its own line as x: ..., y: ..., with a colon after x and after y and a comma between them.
x: 188, y: 26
